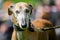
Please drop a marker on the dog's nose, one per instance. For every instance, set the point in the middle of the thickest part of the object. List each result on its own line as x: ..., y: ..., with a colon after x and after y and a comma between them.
x: 24, y: 26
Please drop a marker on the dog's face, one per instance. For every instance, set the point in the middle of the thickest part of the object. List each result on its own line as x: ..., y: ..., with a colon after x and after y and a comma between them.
x: 21, y: 12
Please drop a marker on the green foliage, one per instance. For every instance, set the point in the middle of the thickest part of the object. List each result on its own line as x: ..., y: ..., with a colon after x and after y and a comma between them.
x: 33, y: 2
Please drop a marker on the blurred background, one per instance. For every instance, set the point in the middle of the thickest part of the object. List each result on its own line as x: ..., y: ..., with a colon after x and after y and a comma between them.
x: 52, y: 7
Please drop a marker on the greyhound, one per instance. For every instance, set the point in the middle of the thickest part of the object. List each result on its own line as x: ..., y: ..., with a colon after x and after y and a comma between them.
x: 21, y: 13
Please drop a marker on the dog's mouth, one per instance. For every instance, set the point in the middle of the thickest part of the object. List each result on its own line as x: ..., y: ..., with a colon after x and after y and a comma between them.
x: 22, y: 28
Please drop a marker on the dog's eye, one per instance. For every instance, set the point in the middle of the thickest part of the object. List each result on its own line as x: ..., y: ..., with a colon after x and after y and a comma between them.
x: 17, y: 11
x: 11, y: 6
x: 27, y: 10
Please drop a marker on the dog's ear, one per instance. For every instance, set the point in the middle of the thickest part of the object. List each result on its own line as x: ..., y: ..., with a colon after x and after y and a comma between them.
x: 30, y: 7
x: 10, y: 12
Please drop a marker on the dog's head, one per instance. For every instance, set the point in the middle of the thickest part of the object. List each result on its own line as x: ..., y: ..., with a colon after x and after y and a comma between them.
x: 21, y: 12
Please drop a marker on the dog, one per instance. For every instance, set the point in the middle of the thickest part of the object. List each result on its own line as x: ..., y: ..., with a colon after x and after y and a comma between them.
x: 21, y: 15
x: 21, y: 19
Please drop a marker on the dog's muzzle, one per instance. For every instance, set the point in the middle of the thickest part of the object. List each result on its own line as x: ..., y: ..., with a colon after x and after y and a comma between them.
x: 24, y: 27
x: 24, y: 24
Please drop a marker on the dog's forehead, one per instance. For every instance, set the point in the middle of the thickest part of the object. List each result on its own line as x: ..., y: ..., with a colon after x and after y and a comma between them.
x: 21, y: 5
